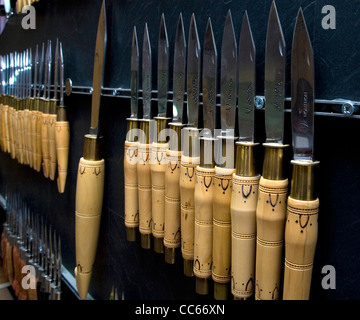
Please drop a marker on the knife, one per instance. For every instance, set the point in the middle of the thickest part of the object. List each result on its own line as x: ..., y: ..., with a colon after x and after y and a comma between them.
x: 159, y: 147
x: 90, y: 177
x: 45, y: 101
x: 144, y: 146
x: 245, y: 181
x: 203, y: 196
x: 131, y: 152
x: 225, y: 167
x: 301, y: 226
x: 52, y: 117
x: 191, y: 150
x: 62, y: 128
x: 273, y: 188
x: 172, y: 228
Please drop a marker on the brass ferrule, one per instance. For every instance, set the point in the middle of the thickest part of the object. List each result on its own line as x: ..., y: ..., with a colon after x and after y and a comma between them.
x: 245, y: 164
x: 273, y: 167
x: 207, y: 159
x: 130, y: 234
x: 146, y: 241
x: 227, y: 152
x: 145, y: 131
x: 175, y: 143
x: 132, y: 123
x: 161, y: 124
x: 188, y: 268
x: 46, y: 105
x: 202, y: 285
x: 159, y: 245
x: 17, y: 103
x: 221, y: 291
x: 61, y: 113
x: 302, y: 182
x: 191, y: 144
x: 28, y: 103
x: 92, y: 147
x: 52, y: 106
x: 169, y: 254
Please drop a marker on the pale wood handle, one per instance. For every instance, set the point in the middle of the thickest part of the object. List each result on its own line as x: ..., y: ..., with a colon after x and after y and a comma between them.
x: 243, y: 235
x: 88, y: 207
x: 26, y: 137
x: 158, y: 167
x: 37, y: 141
x: 270, y: 215
x: 187, y: 191
x: 33, y: 125
x: 172, y: 230
x: 131, y: 185
x: 144, y: 188
x: 21, y: 136
x: 301, y: 231
x: 45, y: 145
x: 7, y: 131
x: 3, y: 129
x: 52, y: 145
x: 11, y: 132
x: 62, y: 138
x: 203, y: 235
x: 221, y: 272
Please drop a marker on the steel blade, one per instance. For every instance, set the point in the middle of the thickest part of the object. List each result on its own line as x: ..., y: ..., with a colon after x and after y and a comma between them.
x: 209, y: 78
x: 56, y: 66
x: 275, y: 58
x: 193, y: 74
x: 134, y: 85
x: 228, y: 76
x: 61, y: 75
x: 179, y: 72
x: 246, y: 93
x: 302, y: 91
x: 98, y: 73
x: 146, y: 74
x: 49, y: 70
x: 46, y: 74
x: 163, y: 68
x: 41, y: 69
x: 36, y: 66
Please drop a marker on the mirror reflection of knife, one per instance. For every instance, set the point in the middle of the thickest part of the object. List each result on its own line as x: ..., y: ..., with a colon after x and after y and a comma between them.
x: 221, y: 272
x: 91, y: 174
x: 206, y: 169
x: 301, y: 227
x: 159, y: 147
x: 245, y: 181
x: 173, y: 154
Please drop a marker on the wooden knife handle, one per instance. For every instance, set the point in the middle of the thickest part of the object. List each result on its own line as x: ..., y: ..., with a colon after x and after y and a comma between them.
x: 172, y: 227
x: 26, y: 136
x: 3, y: 137
x: 9, y: 261
x: 45, y: 145
x: 301, y: 231
x: 203, y: 235
x: 270, y: 215
x: 144, y: 193
x: 20, y: 135
x: 131, y: 185
x: 11, y: 132
x: 33, y: 125
x: 52, y: 145
x: 243, y: 235
x: 37, y: 142
x: 62, y: 140
x: 158, y: 167
x: 221, y: 272
x: 7, y: 134
x: 88, y: 207
x: 187, y: 196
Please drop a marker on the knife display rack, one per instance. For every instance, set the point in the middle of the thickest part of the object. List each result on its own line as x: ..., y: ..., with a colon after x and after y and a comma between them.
x: 142, y: 274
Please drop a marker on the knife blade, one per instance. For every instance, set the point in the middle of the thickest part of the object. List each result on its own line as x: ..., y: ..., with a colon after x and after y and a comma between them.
x: 245, y: 181
x: 172, y: 239
x: 203, y: 193
x: 300, y: 238
x: 91, y: 173
x: 159, y: 147
x: 131, y: 149
x: 273, y: 183
x: 221, y: 273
